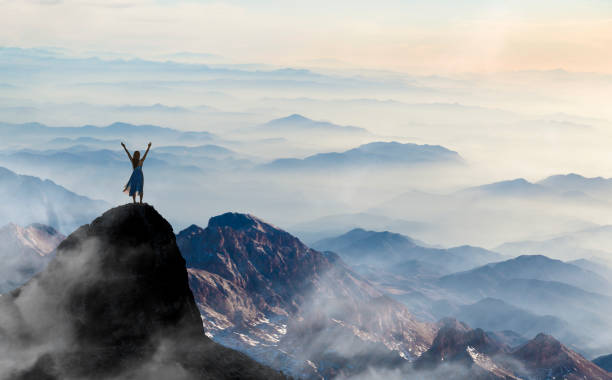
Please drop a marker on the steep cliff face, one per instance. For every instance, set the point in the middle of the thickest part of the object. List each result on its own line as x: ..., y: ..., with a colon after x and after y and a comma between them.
x: 261, y: 290
x: 114, y: 302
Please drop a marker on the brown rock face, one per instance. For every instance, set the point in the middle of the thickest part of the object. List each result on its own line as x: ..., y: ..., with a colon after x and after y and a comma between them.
x: 258, y: 286
x: 545, y: 357
x: 114, y: 303
x: 472, y: 354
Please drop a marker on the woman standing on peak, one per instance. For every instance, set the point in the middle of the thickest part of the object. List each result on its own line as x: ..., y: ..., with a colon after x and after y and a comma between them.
x: 136, y: 183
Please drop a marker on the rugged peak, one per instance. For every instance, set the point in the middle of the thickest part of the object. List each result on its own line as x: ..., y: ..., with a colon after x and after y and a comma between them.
x: 546, y: 357
x: 542, y: 343
x: 117, y: 303
x: 194, y: 229
x: 452, y: 324
x: 237, y: 221
x: 457, y: 342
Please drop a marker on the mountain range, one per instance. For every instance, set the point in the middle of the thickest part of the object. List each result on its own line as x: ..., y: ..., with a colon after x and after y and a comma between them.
x: 36, y: 132
x: 296, y: 123
x: 584, y: 243
x: 395, y: 251
x: 125, y: 297
x: 544, y: 287
x: 494, y: 213
x: 260, y: 290
x: 375, y: 154
x: 529, y: 267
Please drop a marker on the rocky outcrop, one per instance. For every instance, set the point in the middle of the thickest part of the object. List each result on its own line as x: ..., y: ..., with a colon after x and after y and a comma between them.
x: 114, y: 303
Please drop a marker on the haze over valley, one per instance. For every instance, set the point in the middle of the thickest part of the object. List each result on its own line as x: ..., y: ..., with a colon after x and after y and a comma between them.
x: 352, y: 194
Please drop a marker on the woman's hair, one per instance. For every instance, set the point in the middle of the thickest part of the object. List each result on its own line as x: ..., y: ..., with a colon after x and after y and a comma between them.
x: 136, y: 159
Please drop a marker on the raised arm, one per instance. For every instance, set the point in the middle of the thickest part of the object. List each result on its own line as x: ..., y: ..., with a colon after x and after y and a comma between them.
x: 147, y: 152
x: 126, y: 151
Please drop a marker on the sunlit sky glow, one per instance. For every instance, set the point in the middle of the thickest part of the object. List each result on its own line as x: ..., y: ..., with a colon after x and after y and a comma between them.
x: 415, y: 36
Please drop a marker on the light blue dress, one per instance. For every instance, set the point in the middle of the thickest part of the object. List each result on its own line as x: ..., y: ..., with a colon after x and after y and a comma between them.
x: 136, y: 183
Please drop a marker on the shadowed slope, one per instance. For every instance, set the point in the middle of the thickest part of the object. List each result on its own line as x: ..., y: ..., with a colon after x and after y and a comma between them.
x: 114, y: 302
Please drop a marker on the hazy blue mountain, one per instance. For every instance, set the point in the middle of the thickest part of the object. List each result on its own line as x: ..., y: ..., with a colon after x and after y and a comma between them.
x: 590, y: 242
x: 497, y: 315
x: 521, y: 188
x: 492, y: 214
x: 27, y: 199
x: 165, y: 159
x: 594, y: 265
x: 208, y: 150
x: 400, y: 253
x: 65, y: 142
x: 333, y: 225
x: 596, y: 186
x: 36, y: 132
x: 298, y: 123
x: 543, y: 287
x: 376, y: 154
x: 534, y: 267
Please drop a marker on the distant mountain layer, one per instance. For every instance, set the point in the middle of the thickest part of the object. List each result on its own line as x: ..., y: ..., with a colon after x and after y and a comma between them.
x: 570, y: 186
x: 526, y: 267
x: 383, y: 154
x: 36, y: 132
x: 298, y: 124
x: 590, y: 242
x: 544, y: 287
x: 27, y: 199
x: 575, y: 182
x: 392, y: 250
x: 25, y: 251
x: 262, y: 291
x: 496, y: 315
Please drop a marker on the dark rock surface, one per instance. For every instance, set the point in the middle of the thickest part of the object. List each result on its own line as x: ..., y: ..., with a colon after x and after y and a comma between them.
x: 114, y: 303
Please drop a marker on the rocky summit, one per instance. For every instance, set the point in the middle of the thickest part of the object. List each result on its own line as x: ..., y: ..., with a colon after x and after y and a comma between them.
x: 262, y: 291
x: 114, y: 303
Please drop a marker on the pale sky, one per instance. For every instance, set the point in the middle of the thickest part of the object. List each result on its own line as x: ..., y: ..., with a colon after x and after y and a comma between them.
x: 432, y: 36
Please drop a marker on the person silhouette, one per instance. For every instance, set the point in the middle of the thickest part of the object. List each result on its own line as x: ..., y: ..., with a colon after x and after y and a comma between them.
x: 135, y: 185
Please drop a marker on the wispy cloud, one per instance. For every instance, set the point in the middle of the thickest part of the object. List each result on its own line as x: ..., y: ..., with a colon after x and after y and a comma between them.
x: 439, y: 36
